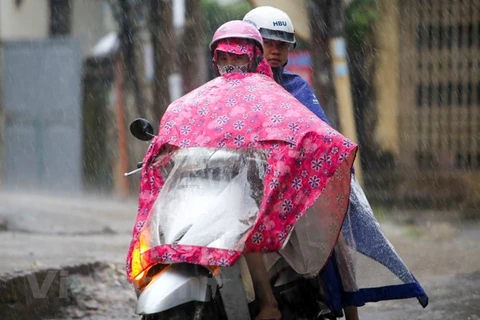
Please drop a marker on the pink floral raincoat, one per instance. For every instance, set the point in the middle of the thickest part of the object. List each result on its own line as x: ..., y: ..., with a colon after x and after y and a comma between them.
x: 308, y: 163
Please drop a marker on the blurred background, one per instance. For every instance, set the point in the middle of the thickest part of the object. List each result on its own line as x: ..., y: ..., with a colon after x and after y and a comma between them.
x: 75, y: 73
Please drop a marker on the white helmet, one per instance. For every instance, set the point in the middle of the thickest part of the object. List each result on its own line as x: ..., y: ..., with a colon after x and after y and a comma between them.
x: 272, y: 23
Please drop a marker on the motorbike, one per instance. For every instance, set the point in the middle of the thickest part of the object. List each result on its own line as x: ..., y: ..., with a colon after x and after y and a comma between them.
x: 210, y: 199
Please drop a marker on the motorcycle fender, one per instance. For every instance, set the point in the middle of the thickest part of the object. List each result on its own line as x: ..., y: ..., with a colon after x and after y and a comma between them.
x: 175, y: 285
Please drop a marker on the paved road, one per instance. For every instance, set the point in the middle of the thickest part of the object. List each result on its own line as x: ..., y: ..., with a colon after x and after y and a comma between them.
x: 442, y: 250
x: 37, y: 232
x: 451, y: 297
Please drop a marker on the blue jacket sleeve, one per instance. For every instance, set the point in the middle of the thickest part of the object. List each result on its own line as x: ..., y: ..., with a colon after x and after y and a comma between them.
x: 301, y: 90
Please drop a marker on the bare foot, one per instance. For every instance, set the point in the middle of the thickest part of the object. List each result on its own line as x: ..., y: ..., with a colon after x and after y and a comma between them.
x: 270, y: 313
x: 351, y: 313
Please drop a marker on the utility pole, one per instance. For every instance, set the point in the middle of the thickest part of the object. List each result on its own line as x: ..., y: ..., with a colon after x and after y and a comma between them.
x: 163, y: 43
x: 331, y: 71
x: 121, y: 163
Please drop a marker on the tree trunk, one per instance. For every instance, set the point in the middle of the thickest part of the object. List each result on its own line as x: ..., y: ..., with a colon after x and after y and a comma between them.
x: 60, y: 17
x: 363, y: 66
x: 163, y: 43
x: 323, y: 80
x: 336, y: 18
x: 193, y: 62
x: 127, y: 48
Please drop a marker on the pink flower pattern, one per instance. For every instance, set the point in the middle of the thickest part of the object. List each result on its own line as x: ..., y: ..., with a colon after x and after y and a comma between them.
x: 297, y: 150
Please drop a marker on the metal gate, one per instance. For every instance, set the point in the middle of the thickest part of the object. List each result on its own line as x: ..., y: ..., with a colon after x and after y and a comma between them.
x: 41, y: 95
x: 440, y: 87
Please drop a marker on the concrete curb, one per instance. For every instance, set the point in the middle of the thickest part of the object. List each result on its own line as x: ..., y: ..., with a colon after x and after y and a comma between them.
x: 40, y: 294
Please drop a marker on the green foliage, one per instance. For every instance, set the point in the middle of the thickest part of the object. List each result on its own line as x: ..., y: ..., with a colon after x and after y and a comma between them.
x: 215, y: 15
x: 412, y: 231
x: 360, y: 18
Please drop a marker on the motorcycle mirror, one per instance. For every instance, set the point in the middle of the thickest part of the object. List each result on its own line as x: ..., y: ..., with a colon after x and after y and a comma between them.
x: 142, y: 129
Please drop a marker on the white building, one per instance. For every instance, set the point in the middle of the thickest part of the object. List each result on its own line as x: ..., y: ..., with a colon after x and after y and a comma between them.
x: 29, y: 19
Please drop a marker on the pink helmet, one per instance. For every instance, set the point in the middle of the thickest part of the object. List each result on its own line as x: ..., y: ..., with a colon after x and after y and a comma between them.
x: 237, y: 29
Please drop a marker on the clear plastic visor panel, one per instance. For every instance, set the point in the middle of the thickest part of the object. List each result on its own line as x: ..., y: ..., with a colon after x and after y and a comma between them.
x: 210, y: 198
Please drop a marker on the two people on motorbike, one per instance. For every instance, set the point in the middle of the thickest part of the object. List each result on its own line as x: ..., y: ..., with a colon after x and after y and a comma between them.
x: 194, y: 120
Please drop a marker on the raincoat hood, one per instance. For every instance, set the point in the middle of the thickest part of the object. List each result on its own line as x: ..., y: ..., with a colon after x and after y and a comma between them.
x: 257, y: 62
